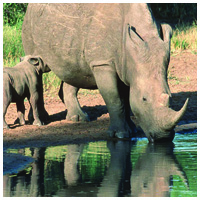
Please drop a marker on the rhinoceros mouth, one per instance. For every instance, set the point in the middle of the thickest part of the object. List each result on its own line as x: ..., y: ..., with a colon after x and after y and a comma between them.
x: 161, y: 137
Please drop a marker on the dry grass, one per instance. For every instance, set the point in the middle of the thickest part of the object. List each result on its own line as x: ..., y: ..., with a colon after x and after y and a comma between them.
x: 184, y: 38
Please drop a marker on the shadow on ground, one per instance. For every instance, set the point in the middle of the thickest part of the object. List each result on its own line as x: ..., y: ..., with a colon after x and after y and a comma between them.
x: 178, y: 100
x: 93, y: 112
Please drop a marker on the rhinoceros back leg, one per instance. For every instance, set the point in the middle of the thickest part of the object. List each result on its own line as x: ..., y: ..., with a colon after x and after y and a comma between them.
x: 68, y: 95
x: 110, y: 88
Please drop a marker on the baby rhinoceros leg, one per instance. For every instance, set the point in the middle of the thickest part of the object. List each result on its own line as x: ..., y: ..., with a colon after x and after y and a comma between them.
x: 5, y: 125
x: 5, y: 106
x: 34, y: 105
x: 20, y: 112
x: 7, y: 97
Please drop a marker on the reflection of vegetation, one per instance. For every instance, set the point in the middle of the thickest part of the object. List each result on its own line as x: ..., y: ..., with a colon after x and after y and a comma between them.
x: 56, y: 153
x: 137, y: 150
x: 186, y: 154
x: 53, y: 176
x: 94, y: 161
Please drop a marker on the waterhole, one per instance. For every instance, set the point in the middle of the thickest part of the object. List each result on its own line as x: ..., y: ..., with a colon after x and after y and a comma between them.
x: 108, y: 169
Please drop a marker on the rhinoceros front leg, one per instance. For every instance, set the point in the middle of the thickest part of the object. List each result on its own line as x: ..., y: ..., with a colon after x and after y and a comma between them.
x: 116, y: 99
x: 68, y: 95
x: 20, y: 112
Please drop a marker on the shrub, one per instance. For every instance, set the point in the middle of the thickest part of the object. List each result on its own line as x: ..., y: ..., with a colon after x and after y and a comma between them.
x: 13, y: 13
x: 175, y: 12
x: 12, y: 43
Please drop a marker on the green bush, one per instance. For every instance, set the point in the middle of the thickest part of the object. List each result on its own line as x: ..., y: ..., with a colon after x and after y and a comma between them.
x: 12, y: 43
x: 175, y: 12
x: 13, y: 13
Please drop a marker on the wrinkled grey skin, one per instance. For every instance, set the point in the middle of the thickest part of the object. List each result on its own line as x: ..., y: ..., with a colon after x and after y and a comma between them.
x: 117, y: 48
x: 21, y: 81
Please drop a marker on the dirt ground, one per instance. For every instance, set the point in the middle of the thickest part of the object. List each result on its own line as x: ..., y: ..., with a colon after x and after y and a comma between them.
x: 182, y: 82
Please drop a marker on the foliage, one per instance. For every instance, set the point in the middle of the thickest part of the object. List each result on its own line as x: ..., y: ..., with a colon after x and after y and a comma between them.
x: 13, y: 13
x: 184, y: 37
x: 12, y: 44
x: 175, y: 12
x: 51, y: 84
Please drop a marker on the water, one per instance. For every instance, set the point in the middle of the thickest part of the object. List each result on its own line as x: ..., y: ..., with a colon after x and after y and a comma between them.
x: 120, y: 168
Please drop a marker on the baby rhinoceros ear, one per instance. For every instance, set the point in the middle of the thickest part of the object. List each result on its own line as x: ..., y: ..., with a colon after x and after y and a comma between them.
x: 37, y: 62
x: 34, y: 61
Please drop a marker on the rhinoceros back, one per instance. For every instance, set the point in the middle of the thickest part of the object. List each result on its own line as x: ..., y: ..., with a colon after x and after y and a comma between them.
x: 71, y: 36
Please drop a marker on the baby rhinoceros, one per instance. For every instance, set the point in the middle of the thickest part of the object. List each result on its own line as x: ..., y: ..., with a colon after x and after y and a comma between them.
x: 21, y: 81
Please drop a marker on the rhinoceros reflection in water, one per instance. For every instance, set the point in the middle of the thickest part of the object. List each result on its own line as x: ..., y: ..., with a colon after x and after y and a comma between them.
x: 70, y: 164
x: 153, y: 170
x: 150, y: 176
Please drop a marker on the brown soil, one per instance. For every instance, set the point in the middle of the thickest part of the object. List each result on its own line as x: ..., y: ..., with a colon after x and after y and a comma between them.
x: 182, y: 82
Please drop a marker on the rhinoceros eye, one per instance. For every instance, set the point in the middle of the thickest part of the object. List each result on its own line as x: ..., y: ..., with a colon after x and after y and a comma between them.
x: 144, y: 99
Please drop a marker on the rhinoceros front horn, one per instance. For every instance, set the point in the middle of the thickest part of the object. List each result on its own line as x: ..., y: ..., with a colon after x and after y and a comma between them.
x: 173, y: 117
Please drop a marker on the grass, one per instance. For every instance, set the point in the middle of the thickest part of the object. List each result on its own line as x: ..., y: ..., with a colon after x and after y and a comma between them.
x: 12, y: 44
x: 51, y: 84
x: 184, y: 38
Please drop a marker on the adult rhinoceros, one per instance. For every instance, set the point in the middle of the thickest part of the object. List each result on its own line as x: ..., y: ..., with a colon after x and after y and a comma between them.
x: 117, y: 48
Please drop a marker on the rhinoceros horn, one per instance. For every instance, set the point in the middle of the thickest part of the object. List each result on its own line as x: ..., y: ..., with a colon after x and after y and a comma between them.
x: 170, y: 117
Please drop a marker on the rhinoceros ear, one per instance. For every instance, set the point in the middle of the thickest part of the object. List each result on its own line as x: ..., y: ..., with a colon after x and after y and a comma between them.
x: 134, y: 36
x: 138, y: 43
x: 166, y: 32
